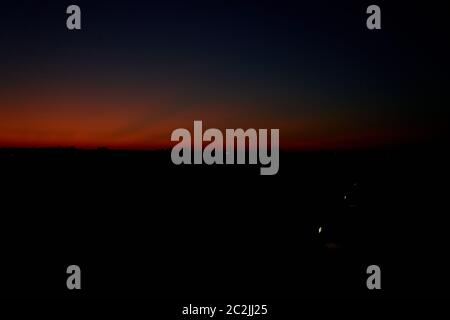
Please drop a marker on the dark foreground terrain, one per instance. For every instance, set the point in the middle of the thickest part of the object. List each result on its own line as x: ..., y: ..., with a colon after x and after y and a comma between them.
x: 139, y: 226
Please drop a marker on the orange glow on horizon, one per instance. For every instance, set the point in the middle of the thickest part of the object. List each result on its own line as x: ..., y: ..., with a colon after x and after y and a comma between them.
x: 129, y: 120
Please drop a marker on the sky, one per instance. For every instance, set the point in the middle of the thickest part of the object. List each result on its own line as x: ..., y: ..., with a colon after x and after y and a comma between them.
x: 137, y: 70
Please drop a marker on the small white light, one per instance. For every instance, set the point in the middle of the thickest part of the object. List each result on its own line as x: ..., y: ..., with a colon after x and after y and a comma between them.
x: 320, y: 229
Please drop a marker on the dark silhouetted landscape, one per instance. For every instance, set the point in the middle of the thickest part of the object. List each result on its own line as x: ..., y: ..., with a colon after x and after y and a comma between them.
x: 141, y: 226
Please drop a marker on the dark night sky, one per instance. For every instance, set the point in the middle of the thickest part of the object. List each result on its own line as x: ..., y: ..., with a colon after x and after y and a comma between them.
x: 139, y: 69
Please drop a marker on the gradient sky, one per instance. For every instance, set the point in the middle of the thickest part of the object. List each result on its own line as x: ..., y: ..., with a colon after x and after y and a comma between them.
x: 140, y: 69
